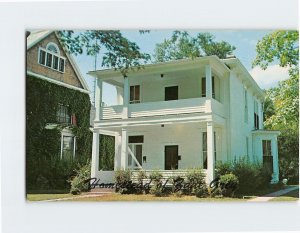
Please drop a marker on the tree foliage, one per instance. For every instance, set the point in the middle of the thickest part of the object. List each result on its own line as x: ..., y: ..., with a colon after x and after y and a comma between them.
x: 119, y: 53
x: 181, y: 45
x: 282, y: 103
x: 282, y: 46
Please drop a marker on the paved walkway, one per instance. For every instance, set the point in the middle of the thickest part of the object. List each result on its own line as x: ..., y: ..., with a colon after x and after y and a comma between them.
x: 270, y: 196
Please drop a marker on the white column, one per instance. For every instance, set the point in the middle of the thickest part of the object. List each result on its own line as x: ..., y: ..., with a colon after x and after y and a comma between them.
x: 126, y: 98
x: 124, y: 149
x: 117, y: 164
x: 210, y: 151
x: 260, y: 113
x: 98, y: 99
x: 208, y: 81
x: 95, y: 155
x: 274, y: 150
x: 120, y: 94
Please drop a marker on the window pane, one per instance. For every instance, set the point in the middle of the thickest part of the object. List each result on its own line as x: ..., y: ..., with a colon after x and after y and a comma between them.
x: 203, y: 87
x: 171, y: 93
x: 131, y: 93
x: 68, y: 146
x: 136, y: 139
x: 137, y: 93
x: 55, y: 62
x: 62, y: 65
x: 49, y: 60
x: 138, y: 153
x: 42, y: 57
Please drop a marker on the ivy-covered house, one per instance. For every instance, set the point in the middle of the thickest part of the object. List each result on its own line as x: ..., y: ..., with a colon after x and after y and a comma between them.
x: 57, y: 111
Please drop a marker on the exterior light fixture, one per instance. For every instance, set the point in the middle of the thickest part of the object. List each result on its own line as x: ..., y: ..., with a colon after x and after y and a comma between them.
x: 162, y: 125
x: 161, y: 75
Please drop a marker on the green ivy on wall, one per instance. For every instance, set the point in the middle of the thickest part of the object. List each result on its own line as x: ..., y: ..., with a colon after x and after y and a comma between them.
x: 43, y: 145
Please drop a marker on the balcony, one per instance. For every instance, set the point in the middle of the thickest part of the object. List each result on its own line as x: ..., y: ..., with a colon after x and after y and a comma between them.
x: 163, y: 108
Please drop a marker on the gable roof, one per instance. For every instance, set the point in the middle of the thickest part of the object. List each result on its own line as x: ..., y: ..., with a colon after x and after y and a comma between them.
x: 37, y: 36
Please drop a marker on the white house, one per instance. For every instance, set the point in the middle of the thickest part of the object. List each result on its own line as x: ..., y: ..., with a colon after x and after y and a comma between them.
x: 183, y: 114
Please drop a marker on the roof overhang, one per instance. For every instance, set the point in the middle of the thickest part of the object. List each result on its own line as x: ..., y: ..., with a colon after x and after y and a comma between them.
x: 42, y: 35
x: 183, y: 64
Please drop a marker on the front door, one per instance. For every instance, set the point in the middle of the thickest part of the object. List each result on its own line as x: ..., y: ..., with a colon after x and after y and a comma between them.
x: 171, y: 157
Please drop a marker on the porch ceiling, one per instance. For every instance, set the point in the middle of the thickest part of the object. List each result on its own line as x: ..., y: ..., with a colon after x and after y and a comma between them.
x: 159, y: 128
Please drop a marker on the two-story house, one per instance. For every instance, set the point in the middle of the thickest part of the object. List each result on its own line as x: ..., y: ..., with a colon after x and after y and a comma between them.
x: 57, y: 103
x: 183, y: 114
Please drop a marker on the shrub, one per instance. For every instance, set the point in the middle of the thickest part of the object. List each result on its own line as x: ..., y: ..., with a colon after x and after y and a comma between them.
x: 289, y: 169
x: 195, y: 180
x: 251, y: 176
x: 123, y: 181
x: 177, y: 184
x: 228, y: 183
x: 139, y: 189
x: 79, y: 181
x: 157, y: 187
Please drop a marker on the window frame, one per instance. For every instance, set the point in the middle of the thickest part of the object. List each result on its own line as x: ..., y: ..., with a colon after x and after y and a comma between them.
x: 67, y: 113
x: 60, y: 58
x: 170, y: 86
x: 67, y: 133
x: 135, y: 101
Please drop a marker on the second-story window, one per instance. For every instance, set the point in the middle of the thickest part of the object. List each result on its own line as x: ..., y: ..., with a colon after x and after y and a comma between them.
x: 63, y: 114
x: 256, y: 117
x: 135, y: 94
x: 50, y: 57
x: 203, y: 87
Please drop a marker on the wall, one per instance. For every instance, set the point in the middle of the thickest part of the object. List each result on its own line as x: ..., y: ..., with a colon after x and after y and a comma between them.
x: 69, y: 76
x: 239, y: 129
x: 189, y: 141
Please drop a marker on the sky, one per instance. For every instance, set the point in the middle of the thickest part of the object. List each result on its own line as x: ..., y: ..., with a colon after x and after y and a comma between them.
x: 244, y: 40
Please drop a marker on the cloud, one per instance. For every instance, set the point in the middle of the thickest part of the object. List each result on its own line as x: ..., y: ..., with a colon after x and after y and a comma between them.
x: 270, y: 77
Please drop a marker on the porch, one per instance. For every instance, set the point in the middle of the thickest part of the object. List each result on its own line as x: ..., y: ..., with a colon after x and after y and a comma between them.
x: 171, y: 148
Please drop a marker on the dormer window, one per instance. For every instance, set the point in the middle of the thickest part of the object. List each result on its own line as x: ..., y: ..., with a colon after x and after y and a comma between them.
x: 50, y: 57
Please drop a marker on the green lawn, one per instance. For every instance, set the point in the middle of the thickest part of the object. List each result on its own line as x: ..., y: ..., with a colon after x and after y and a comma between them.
x: 149, y: 197
x: 291, y: 196
x: 42, y: 197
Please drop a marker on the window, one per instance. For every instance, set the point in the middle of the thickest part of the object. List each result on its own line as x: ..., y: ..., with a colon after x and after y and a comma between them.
x: 171, y: 93
x: 245, y: 106
x: 266, y: 147
x: 256, y: 117
x: 136, y: 146
x: 135, y: 94
x: 63, y: 115
x: 267, y: 155
x: 203, y: 87
x: 68, y: 147
x: 50, y: 57
x: 204, y: 148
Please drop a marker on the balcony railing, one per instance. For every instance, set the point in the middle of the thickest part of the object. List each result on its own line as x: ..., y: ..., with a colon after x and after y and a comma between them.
x: 162, y: 108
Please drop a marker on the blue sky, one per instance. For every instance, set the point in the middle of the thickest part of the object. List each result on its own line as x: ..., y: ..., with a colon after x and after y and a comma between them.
x: 244, y: 40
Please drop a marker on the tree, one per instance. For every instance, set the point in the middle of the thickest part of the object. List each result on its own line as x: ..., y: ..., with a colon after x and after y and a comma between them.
x: 181, y: 45
x: 119, y: 53
x: 282, y: 103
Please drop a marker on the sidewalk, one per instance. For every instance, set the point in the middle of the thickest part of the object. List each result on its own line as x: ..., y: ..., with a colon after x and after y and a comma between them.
x: 273, y: 195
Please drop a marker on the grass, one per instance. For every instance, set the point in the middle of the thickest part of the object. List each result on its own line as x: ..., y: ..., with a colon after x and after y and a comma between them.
x: 149, y: 197
x: 291, y: 196
x: 42, y: 197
